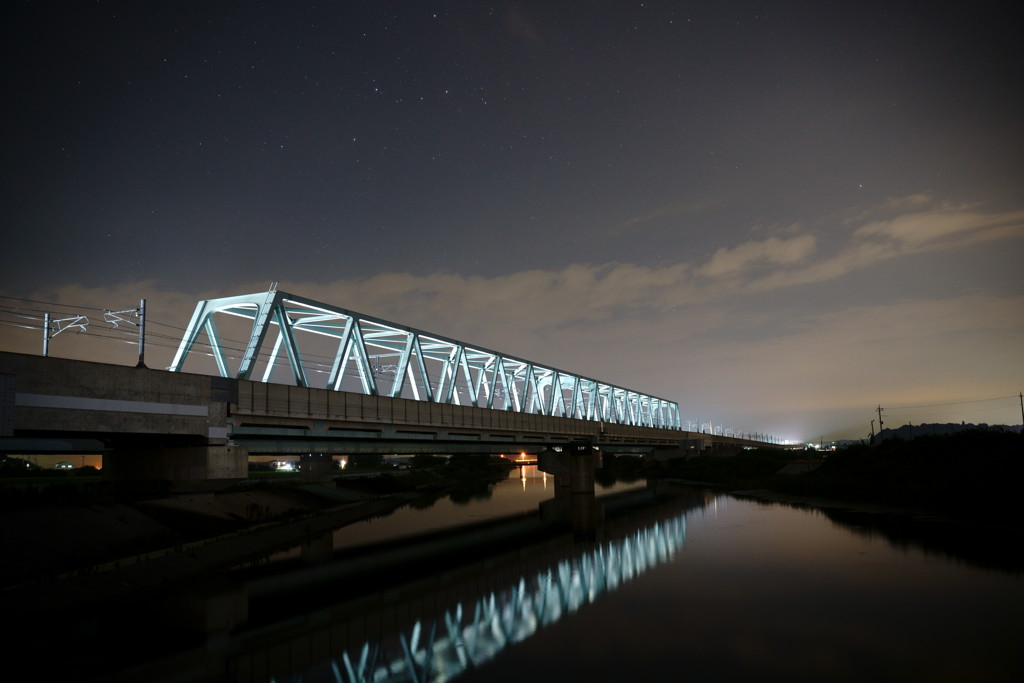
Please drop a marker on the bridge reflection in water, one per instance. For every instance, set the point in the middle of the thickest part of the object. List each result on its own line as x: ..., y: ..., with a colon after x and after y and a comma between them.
x: 467, y: 637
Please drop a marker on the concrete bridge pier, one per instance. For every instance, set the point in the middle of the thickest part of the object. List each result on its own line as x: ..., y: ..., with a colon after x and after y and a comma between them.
x: 573, y: 466
x: 574, y: 499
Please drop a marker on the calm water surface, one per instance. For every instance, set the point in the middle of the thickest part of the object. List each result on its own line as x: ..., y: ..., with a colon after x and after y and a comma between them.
x: 524, y: 490
x: 679, y: 584
x: 770, y: 592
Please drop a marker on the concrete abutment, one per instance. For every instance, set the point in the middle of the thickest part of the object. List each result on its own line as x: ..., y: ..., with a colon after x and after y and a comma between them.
x: 185, y: 467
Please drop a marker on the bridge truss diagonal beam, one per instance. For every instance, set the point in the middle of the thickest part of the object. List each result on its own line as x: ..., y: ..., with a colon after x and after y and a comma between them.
x: 368, y: 355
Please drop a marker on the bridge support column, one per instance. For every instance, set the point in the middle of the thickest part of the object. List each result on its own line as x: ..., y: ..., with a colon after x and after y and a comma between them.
x: 185, y: 467
x: 574, y: 487
x: 575, y: 465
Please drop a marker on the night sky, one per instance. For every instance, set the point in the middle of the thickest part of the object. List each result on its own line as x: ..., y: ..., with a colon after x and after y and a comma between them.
x: 780, y: 214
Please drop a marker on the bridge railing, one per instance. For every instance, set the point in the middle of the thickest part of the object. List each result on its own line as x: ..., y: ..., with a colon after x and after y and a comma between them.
x: 375, y: 357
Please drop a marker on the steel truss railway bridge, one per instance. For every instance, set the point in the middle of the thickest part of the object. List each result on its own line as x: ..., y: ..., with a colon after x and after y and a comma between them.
x: 389, y: 389
x: 380, y: 358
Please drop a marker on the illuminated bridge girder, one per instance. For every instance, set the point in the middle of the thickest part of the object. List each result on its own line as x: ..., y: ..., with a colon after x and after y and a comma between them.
x: 379, y: 358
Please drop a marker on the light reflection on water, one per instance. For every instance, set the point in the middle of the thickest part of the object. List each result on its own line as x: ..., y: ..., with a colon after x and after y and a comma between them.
x: 774, y: 593
x: 756, y: 592
x: 523, y: 491
x: 502, y: 498
x: 468, y: 636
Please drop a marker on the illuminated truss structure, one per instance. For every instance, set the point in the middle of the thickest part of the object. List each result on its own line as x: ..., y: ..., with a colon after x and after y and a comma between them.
x: 379, y: 358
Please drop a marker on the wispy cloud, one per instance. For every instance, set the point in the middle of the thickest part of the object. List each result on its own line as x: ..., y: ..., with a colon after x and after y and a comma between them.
x: 585, y: 294
x: 941, y: 227
x: 673, y: 211
x: 749, y: 256
x: 915, y: 224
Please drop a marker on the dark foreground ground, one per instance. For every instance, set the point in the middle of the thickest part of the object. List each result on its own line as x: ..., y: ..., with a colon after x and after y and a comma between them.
x: 76, y: 539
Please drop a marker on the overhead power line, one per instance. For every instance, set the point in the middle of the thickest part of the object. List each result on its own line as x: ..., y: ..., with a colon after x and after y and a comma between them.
x: 953, y: 403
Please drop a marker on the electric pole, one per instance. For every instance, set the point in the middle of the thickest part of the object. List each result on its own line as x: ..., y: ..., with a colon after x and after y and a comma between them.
x: 51, y: 328
x: 125, y: 316
x: 142, y: 334
x: 880, y: 423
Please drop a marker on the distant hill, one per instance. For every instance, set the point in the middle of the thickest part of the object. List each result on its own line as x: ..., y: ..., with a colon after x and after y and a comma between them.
x: 935, y: 428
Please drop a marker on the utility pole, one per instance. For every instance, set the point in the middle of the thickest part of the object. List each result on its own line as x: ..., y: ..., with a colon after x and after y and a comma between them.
x: 1021, y: 396
x: 51, y: 328
x: 880, y: 423
x: 872, y: 430
x: 142, y: 334
x: 115, y: 317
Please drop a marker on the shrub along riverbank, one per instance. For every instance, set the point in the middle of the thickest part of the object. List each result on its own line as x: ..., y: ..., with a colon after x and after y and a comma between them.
x: 970, y: 474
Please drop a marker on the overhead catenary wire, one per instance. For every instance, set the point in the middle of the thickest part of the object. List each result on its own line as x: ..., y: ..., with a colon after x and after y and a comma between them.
x: 22, y: 316
x: 953, y: 403
x: 973, y: 410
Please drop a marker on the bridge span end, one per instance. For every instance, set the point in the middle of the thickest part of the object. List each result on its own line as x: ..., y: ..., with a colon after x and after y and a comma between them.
x: 147, y: 424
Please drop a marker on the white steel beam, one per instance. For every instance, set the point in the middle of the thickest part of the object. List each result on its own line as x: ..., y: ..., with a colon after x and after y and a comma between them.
x: 425, y: 366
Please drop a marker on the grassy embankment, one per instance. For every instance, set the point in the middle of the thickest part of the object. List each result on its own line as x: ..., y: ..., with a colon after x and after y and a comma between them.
x: 58, y: 521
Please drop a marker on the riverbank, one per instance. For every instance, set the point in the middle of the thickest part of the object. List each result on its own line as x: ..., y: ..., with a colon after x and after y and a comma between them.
x: 83, y: 549
x: 69, y: 549
x: 991, y: 542
x: 972, y: 475
x: 954, y: 494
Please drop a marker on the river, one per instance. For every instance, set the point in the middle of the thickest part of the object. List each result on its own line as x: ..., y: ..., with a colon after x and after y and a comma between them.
x: 776, y: 593
x: 651, y: 583
x: 736, y: 590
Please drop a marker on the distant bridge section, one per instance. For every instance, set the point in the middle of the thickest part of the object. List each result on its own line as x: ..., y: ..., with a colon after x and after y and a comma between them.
x: 375, y: 357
